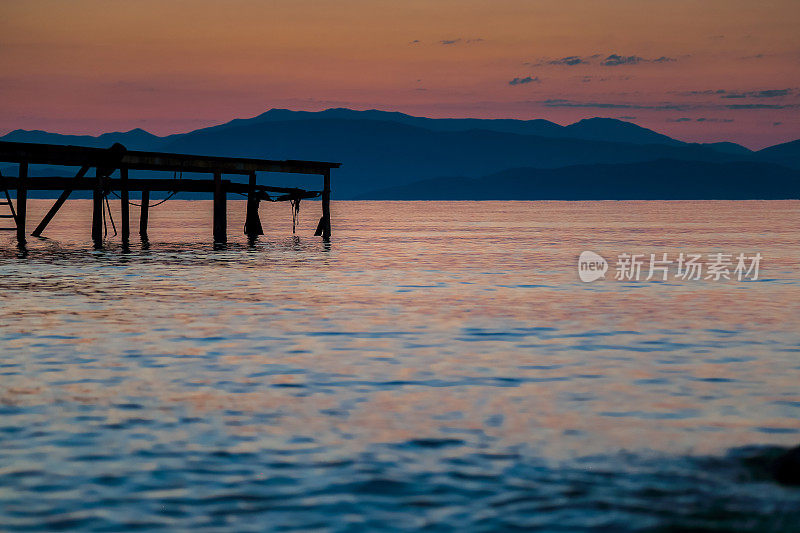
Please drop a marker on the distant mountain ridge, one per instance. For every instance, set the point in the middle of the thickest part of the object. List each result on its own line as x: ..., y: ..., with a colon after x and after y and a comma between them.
x: 661, y: 179
x: 604, y: 129
x: 383, y: 150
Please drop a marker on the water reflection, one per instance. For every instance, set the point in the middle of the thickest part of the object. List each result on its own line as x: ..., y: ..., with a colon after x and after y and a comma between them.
x: 434, y: 356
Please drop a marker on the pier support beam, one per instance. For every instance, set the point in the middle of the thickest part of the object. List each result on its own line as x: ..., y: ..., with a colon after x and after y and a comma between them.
x: 143, y: 214
x: 97, y: 210
x: 220, y: 211
x: 56, y: 206
x: 125, y: 205
x: 252, y: 225
x: 22, y: 203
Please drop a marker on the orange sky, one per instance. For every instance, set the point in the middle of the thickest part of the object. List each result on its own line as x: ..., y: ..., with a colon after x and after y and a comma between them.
x: 699, y: 70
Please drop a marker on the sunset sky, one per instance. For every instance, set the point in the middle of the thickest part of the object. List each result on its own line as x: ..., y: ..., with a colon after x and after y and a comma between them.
x: 698, y: 70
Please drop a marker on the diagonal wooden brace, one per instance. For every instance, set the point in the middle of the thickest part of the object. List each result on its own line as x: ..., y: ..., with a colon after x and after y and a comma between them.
x: 57, y: 205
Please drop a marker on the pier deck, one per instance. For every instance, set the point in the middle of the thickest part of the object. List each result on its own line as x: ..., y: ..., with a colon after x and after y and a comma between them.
x: 118, y: 160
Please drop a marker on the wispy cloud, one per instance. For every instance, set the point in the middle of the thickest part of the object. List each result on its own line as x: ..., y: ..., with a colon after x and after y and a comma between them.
x: 615, y: 60
x: 701, y: 119
x: 768, y: 93
x: 559, y: 102
x: 569, y: 61
x: 610, y: 60
x: 669, y: 106
x: 706, y: 92
x: 763, y: 106
x: 589, y: 79
x: 726, y: 93
x: 526, y: 79
x: 461, y: 40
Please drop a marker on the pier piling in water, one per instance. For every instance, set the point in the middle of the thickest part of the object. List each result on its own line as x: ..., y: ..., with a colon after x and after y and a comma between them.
x: 144, y: 213
x: 252, y: 225
x: 22, y: 202
x: 117, y: 158
x: 220, y: 211
x: 97, y: 210
x: 125, y: 205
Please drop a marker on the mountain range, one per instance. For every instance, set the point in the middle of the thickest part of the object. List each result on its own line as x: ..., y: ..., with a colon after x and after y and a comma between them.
x: 391, y: 155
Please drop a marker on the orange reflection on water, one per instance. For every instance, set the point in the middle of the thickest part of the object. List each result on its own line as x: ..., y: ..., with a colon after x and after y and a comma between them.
x: 415, y: 323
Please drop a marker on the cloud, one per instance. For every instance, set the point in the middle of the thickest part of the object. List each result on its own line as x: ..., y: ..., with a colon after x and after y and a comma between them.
x: 707, y: 92
x: 460, y: 40
x: 702, y: 119
x: 615, y: 60
x: 611, y: 60
x: 526, y: 79
x: 559, y: 102
x: 569, y: 61
x: 768, y: 93
x: 588, y: 79
x: 763, y: 106
x: 723, y: 93
x: 665, y: 106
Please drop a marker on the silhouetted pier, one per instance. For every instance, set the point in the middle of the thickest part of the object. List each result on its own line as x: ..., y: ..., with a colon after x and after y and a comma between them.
x: 117, y: 159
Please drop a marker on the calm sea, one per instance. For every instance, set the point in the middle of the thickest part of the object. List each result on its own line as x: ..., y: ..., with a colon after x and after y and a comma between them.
x: 438, y: 365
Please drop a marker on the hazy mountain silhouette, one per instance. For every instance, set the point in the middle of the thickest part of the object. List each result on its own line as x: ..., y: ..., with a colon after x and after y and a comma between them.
x: 728, y: 148
x: 380, y: 149
x: 651, y: 180
x: 523, y: 127
x: 377, y: 154
x: 610, y: 129
x: 136, y: 139
x: 783, y: 154
x: 601, y: 129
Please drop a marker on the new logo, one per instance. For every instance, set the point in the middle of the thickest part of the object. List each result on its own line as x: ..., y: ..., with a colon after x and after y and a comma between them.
x: 591, y: 266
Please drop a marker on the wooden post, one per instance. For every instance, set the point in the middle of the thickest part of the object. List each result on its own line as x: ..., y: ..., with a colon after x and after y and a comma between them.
x: 97, y: 210
x: 252, y: 225
x: 326, y: 205
x: 220, y: 214
x: 143, y: 214
x: 125, y: 205
x: 22, y: 203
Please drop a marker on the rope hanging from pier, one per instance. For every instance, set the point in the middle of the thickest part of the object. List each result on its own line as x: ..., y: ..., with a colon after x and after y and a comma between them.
x: 171, y: 195
x: 107, y: 207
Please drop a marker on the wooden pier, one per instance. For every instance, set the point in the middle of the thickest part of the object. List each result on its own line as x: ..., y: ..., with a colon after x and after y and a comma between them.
x: 107, y: 162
